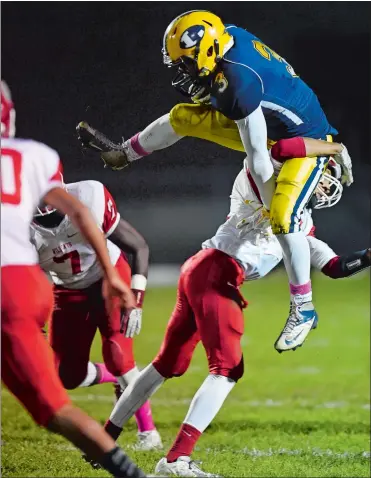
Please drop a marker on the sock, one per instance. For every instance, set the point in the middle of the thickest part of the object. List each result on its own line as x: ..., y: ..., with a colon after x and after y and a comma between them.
x: 135, y: 395
x: 143, y: 416
x: 97, y: 373
x: 91, y: 376
x: 104, y: 376
x: 205, y: 405
x: 184, y: 442
x: 301, y: 293
x: 112, y: 430
x: 208, y: 400
x: 120, y: 465
x: 158, y: 135
x: 296, y: 256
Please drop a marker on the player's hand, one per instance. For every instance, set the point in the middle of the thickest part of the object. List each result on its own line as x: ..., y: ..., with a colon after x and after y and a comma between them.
x: 131, y: 323
x: 345, y: 162
x: 114, y: 289
x: 113, y: 154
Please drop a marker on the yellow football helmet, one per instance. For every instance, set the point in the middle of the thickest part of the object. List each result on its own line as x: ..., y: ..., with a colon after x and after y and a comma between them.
x: 195, y: 42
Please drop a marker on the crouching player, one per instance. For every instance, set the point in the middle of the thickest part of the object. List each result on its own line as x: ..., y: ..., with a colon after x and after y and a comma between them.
x: 209, y: 309
x: 79, y: 306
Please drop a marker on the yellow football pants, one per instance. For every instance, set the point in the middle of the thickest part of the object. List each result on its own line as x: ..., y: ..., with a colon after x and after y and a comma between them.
x: 296, y: 181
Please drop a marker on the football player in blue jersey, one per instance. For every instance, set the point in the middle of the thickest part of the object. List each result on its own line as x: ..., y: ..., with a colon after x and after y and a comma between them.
x: 245, y: 93
x: 252, y: 85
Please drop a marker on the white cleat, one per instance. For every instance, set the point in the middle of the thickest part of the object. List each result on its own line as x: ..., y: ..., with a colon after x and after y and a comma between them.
x: 184, y: 466
x: 148, y: 441
x: 302, y: 319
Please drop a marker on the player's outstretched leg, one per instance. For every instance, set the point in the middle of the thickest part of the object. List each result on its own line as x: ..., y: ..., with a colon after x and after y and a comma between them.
x: 173, y: 360
x: 212, y: 291
x: 148, y: 436
x: 296, y: 183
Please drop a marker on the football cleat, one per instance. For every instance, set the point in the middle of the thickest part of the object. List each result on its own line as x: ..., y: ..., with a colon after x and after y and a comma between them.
x: 148, y: 441
x: 183, y: 466
x: 302, y: 319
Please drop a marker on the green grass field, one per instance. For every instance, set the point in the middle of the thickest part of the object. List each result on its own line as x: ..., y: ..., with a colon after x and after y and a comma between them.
x: 296, y: 414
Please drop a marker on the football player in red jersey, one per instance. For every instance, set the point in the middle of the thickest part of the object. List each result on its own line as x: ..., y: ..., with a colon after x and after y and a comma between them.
x: 79, y: 306
x: 30, y: 172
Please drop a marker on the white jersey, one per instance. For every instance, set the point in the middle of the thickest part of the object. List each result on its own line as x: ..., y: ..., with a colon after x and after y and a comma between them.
x: 247, y: 234
x: 63, y: 252
x: 29, y: 170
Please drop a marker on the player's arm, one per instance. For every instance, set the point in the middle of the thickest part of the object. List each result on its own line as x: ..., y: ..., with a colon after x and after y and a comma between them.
x: 129, y: 240
x: 83, y: 220
x: 253, y: 132
x: 323, y: 258
x: 304, y: 147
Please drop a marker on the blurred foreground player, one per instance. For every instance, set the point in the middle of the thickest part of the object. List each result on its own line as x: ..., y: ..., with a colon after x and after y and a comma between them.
x: 209, y: 309
x: 30, y: 173
x: 79, y: 311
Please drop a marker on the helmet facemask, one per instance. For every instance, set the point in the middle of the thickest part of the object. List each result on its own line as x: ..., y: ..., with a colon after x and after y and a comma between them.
x: 329, y: 190
x: 47, y: 216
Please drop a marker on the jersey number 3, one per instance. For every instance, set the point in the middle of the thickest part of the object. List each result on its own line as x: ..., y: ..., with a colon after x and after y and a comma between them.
x: 268, y: 53
x: 11, y: 166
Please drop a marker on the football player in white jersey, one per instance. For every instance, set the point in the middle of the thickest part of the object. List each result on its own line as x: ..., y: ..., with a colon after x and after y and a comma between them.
x: 209, y: 309
x: 31, y: 172
x: 79, y: 310
x: 198, y: 121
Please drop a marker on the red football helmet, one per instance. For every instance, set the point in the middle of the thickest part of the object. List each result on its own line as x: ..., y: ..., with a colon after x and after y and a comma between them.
x: 7, y: 112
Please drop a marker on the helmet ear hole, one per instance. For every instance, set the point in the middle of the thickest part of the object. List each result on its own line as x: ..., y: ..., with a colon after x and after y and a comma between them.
x: 210, y: 51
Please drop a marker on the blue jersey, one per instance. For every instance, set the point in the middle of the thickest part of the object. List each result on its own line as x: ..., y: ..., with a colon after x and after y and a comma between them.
x: 252, y: 74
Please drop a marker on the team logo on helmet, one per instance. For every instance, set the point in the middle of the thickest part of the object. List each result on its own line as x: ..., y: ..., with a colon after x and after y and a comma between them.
x: 192, y: 36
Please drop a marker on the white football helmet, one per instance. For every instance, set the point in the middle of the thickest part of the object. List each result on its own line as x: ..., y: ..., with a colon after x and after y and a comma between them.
x: 44, y: 209
x: 329, y: 189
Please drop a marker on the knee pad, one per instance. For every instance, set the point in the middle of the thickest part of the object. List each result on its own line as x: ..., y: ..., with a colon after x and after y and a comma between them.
x: 170, y: 370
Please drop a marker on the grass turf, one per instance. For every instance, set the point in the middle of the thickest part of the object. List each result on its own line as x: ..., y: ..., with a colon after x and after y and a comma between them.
x: 296, y: 414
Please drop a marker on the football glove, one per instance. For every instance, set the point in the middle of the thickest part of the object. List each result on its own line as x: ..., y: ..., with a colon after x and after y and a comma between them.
x: 113, y: 154
x: 131, y: 323
x: 344, y: 160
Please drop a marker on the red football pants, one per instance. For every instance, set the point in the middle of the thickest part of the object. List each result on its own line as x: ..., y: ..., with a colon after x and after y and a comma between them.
x: 77, y: 316
x: 27, y: 362
x: 208, y: 308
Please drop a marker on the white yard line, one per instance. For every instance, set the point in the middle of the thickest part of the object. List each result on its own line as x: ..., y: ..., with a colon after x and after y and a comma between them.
x: 256, y: 453
x: 267, y: 403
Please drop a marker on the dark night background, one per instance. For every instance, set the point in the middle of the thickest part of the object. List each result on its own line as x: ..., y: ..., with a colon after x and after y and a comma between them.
x: 101, y: 61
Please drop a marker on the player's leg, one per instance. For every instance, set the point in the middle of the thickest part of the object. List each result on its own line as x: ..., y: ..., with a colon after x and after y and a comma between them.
x: 118, y: 354
x: 185, y: 119
x: 212, y: 291
x: 172, y: 360
x: 296, y: 184
x: 71, y: 334
x: 28, y: 370
x: 97, y: 374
